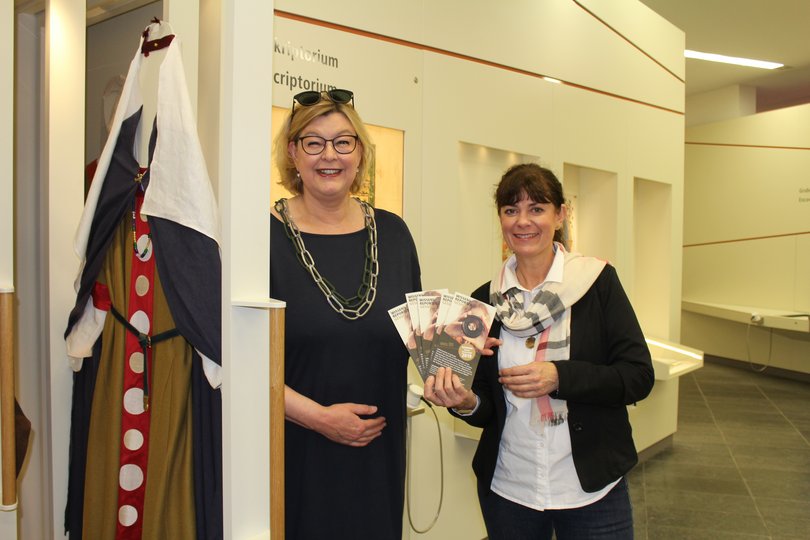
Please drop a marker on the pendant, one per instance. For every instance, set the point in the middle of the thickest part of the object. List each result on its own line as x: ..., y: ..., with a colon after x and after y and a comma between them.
x: 530, y: 342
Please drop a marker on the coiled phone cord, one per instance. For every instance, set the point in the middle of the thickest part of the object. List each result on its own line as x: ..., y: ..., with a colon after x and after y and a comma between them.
x: 765, y: 365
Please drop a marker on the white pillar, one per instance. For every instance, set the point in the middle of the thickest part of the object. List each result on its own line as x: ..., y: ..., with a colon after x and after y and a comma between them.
x: 63, y: 168
x: 6, y: 146
x: 245, y: 86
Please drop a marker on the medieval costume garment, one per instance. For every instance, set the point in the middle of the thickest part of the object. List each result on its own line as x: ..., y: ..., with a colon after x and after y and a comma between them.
x: 145, y: 333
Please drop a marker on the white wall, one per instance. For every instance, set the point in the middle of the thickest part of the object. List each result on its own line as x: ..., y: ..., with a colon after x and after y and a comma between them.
x: 747, y: 234
x: 722, y: 104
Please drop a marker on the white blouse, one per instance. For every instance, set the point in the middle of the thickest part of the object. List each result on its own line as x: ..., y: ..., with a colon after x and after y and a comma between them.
x: 535, y: 467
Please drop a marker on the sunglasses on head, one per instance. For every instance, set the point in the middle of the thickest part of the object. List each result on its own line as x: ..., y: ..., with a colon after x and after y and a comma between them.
x: 311, y: 97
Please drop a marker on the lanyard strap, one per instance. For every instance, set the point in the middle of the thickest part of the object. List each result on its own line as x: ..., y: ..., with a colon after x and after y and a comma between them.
x: 146, y: 341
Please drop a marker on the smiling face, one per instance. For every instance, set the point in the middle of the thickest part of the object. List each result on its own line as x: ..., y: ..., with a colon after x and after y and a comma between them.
x: 528, y: 227
x: 328, y: 174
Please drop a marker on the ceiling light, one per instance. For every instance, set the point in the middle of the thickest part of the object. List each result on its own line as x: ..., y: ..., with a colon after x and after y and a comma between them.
x: 552, y: 80
x: 711, y: 57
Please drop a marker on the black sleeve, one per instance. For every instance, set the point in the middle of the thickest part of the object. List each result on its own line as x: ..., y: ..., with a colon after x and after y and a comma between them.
x: 610, y: 362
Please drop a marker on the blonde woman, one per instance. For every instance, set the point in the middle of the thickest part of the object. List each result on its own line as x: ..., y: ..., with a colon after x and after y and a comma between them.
x: 340, y: 265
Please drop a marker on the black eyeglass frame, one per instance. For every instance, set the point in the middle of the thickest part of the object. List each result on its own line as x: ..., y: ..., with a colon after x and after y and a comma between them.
x: 308, y: 98
x: 304, y: 148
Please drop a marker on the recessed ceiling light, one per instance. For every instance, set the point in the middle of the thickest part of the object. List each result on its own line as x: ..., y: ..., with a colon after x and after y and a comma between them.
x: 711, y: 57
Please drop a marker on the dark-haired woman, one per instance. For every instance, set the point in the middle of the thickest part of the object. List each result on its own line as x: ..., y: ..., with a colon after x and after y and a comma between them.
x: 340, y: 265
x: 556, y: 439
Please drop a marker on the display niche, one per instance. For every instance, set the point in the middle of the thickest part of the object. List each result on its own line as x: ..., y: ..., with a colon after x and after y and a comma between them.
x: 591, y: 197
x: 480, y: 170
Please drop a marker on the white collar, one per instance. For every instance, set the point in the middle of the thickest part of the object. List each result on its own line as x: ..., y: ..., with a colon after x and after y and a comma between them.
x: 555, y: 272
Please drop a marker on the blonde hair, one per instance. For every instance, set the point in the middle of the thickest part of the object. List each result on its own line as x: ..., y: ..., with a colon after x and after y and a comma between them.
x: 295, y: 124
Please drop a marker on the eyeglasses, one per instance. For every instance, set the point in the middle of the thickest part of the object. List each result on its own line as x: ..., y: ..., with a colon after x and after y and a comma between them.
x: 311, y: 97
x: 314, y: 145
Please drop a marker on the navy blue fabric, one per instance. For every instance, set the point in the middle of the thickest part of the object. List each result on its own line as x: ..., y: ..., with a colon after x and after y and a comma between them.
x: 189, y: 267
x: 207, y: 428
x: 84, y: 383
x: 114, y: 201
x: 609, y: 518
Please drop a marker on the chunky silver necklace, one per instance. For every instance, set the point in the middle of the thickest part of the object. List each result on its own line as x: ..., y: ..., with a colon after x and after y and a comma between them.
x: 351, y: 308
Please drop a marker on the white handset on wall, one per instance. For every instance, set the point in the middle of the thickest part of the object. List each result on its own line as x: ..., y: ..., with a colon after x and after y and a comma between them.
x: 415, y: 394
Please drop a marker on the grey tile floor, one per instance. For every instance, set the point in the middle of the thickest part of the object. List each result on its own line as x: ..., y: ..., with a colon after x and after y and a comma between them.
x: 739, y: 466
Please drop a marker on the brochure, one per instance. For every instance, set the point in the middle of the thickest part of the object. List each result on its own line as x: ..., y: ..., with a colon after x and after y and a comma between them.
x: 401, y: 317
x: 463, y: 335
x: 442, y: 329
x: 428, y: 303
x: 412, y: 299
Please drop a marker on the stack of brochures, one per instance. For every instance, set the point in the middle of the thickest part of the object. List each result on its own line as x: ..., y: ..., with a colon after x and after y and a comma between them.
x: 442, y: 329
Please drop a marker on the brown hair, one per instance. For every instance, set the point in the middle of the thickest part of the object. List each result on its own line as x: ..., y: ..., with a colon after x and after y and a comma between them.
x: 535, y: 182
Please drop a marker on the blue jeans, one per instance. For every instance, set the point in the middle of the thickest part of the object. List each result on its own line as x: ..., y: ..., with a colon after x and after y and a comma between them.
x: 610, y: 518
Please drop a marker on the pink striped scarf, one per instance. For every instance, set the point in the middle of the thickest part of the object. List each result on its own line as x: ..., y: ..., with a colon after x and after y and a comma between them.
x: 547, y: 316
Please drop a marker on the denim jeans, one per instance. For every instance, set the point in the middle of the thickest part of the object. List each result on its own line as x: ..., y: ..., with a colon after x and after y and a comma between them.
x: 610, y: 518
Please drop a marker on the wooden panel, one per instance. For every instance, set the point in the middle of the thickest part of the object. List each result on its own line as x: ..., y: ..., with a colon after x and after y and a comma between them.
x: 277, y: 423
x: 7, y: 398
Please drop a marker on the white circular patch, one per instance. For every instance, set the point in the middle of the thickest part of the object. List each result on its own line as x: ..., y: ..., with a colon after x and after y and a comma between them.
x: 127, y: 515
x: 133, y: 439
x: 136, y: 362
x: 141, y: 285
x: 133, y: 401
x: 144, y: 245
x: 130, y: 477
x: 140, y: 320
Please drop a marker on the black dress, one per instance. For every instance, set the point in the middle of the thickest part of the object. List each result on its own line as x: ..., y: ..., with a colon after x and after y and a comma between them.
x: 332, y: 490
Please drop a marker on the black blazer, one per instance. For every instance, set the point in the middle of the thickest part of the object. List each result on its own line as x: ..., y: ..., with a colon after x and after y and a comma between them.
x: 610, y: 367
